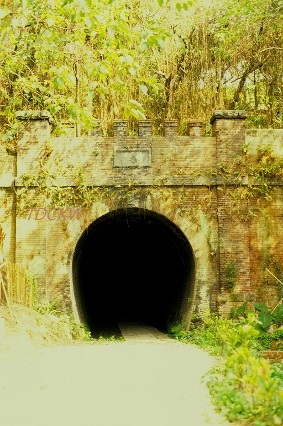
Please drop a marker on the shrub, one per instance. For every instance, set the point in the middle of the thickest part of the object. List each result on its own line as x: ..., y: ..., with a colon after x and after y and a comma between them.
x: 244, y: 386
x: 264, y: 341
x: 201, y: 333
x: 278, y: 372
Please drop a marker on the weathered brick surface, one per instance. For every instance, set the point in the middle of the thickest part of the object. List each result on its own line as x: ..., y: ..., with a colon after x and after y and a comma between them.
x: 7, y: 219
x: 235, y: 234
x: 6, y: 167
x: 273, y: 356
x: 266, y: 248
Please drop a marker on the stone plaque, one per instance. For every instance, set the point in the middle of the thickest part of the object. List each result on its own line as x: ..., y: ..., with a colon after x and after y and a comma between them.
x: 139, y: 157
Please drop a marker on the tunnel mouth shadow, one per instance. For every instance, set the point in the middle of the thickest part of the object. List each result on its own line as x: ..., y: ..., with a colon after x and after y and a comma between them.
x: 132, y: 265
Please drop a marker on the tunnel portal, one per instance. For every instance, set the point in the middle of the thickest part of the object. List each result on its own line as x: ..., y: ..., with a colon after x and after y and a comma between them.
x: 132, y: 265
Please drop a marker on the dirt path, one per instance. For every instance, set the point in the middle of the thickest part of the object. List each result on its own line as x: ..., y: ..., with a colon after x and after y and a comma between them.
x: 132, y: 383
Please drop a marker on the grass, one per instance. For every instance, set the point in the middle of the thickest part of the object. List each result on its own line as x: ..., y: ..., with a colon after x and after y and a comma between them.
x: 41, y: 326
x: 201, y: 333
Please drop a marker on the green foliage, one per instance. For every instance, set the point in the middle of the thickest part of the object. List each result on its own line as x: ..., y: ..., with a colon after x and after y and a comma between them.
x: 110, y: 339
x: 277, y: 340
x: 201, y: 333
x: 277, y: 316
x: 178, y: 332
x: 234, y: 334
x: 264, y: 341
x: 278, y: 372
x: 60, y: 323
x: 264, y: 168
x: 47, y: 308
x: 241, y: 311
x: 244, y: 386
x: 84, y: 58
x: 75, y: 57
x: 266, y: 317
x: 230, y: 275
x: 269, y: 337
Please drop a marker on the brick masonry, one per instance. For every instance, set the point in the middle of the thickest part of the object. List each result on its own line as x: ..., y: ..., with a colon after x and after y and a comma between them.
x: 234, y: 234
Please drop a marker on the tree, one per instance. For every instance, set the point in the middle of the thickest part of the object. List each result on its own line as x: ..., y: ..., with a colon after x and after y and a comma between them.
x: 74, y: 58
x: 225, y: 54
x: 107, y: 59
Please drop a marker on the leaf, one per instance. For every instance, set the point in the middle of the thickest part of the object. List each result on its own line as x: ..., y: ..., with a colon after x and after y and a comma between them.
x: 261, y: 307
x: 277, y: 314
x: 136, y: 104
x: 160, y: 2
x: 137, y: 114
x: 265, y: 318
x: 103, y: 69
x: 73, y: 111
x: 4, y: 13
x: 160, y: 43
x: 240, y: 310
x: 71, y: 78
x: 111, y: 32
x: 179, y: 7
x: 143, y: 88
x: 88, y: 22
x: 128, y: 59
x: 155, y: 88
x: 58, y: 82
x: 100, y: 19
x: 132, y: 71
x: 278, y: 310
x: 135, y: 109
x: 144, y: 46
x: 47, y: 34
x: 50, y: 22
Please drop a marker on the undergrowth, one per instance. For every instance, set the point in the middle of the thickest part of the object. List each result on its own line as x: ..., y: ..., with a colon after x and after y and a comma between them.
x: 44, y: 325
x: 202, y: 333
x: 243, y: 385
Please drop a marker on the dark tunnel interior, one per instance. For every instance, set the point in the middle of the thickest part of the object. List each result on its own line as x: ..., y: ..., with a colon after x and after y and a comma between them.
x: 131, y: 265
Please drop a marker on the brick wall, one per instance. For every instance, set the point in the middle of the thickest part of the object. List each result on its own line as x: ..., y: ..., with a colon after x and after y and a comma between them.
x: 194, y: 181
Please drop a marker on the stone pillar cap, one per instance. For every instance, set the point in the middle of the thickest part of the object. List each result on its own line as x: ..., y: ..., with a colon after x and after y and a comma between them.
x: 120, y: 120
x: 171, y: 121
x: 147, y: 122
x: 34, y: 115
x: 195, y: 122
x: 120, y: 127
x: 228, y: 114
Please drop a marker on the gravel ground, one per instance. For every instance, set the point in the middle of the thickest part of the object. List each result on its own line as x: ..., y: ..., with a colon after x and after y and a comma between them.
x: 131, y: 383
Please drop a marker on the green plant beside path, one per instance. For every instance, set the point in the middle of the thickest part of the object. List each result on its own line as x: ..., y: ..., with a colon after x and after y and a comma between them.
x: 244, y: 386
x: 270, y: 324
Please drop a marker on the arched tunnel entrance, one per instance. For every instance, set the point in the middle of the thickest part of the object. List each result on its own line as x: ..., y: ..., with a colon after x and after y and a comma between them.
x: 132, y: 265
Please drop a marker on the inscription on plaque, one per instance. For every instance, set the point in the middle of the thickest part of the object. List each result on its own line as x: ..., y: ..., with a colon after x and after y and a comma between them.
x: 132, y: 157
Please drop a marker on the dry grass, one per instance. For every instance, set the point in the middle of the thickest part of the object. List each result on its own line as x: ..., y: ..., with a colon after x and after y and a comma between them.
x: 16, y: 285
x: 23, y: 329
